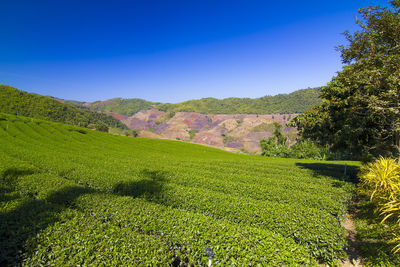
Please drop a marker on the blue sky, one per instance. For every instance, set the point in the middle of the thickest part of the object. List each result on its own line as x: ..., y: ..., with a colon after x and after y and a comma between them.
x: 171, y: 51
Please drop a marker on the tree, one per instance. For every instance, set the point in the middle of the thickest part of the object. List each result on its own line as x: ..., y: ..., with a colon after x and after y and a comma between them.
x: 359, y: 113
x: 101, y: 127
x: 280, y: 138
x: 275, y: 146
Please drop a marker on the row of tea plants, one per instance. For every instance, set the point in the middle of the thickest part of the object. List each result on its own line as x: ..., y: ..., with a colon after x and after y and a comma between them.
x: 73, y: 196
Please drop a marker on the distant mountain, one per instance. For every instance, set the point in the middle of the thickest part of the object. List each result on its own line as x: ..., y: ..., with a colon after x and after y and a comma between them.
x: 122, y: 106
x: 126, y: 107
x: 14, y: 101
x: 296, y: 102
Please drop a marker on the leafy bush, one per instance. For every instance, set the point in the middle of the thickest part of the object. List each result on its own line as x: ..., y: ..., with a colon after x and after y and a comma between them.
x: 307, y: 150
x: 270, y: 148
x: 381, y: 179
x: 101, y: 127
x: 192, y: 133
x: 276, y: 146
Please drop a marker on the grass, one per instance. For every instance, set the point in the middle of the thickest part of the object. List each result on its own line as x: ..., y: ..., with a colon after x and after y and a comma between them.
x: 264, y: 127
x: 374, y: 237
x: 74, y: 197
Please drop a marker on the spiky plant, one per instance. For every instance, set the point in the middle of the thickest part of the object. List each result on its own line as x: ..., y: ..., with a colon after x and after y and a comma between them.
x: 381, y: 178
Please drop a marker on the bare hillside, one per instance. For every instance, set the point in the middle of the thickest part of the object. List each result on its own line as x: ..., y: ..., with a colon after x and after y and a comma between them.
x: 234, y: 132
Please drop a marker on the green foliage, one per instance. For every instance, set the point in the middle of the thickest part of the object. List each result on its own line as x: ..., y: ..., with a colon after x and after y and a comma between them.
x: 73, y: 196
x: 101, y: 127
x: 129, y: 132
x: 280, y: 138
x: 135, y: 133
x: 192, y: 133
x: 126, y: 107
x: 308, y: 150
x: 381, y: 180
x: 296, y: 102
x: 276, y: 146
x: 14, y: 101
x: 171, y: 114
x: 270, y: 148
x: 359, y: 114
x: 374, y: 238
x: 264, y: 127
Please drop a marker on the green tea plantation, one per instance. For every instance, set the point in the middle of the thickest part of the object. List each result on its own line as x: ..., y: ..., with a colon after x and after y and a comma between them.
x: 73, y: 196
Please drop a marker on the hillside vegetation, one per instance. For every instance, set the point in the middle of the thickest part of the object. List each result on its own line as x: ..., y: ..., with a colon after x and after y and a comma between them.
x: 14, y: 101
x: 296, y: 102
x: 126, y: 107
x: 73, y: 196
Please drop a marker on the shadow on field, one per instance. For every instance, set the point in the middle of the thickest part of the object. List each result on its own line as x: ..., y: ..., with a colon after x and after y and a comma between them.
x: 8, y: 181
x: 337, y: 171
x: 10, y: 175
x: 22, y: 223
x: 374, y: 238
x: 149, y: 188
x: 29, y: 216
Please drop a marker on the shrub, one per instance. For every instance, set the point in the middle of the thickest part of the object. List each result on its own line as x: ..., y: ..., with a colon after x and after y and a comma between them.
x: 272, y: 149
x: 381, y: 180
x: 101, y: 127
x: 192, y: 133
x: 307, y: 150
x: 135, y: 133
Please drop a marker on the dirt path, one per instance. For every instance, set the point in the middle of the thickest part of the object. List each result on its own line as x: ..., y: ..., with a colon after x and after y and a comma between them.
x: 351, y: 236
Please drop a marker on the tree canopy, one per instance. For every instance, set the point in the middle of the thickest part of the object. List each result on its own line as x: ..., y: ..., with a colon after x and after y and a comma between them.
x: 295, y: 102
x: 360, y: 107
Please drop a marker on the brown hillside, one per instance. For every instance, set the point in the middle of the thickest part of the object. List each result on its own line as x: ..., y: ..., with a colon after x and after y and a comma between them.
x: 240, y: 132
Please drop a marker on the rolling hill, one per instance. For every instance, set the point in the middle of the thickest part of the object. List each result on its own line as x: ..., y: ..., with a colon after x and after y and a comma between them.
x: 233, y: 132
x: 236, y: 132
x: 14, y: 101
x: 296, y: 102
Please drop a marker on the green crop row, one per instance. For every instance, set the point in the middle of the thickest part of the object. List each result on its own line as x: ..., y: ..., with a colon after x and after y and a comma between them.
x: 104, y: 199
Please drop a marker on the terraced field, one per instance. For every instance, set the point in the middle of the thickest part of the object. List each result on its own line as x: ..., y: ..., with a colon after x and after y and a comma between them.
x: 73, y: 196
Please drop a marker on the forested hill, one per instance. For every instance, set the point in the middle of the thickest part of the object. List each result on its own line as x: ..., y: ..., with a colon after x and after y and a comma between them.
x: 14, y: 101
x: 122, y: 106
x: 296, y: 102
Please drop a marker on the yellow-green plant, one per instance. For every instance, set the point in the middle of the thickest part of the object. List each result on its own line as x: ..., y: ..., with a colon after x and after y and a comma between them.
x: 381, y: 178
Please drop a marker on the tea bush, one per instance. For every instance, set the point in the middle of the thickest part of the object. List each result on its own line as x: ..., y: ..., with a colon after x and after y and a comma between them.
x: 73, y: 196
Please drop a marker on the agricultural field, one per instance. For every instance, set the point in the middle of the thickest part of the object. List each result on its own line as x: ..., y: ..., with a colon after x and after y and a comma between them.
x: 73, y: 196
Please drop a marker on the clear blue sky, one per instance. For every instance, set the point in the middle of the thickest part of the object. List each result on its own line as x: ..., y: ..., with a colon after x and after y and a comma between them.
x: 171, y: 51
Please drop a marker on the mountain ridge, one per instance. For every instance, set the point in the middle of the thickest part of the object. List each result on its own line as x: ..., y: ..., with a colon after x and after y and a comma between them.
x: 295, y: 102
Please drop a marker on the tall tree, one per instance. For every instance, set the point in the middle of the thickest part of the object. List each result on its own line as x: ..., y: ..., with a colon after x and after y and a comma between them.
x: 360, y: 109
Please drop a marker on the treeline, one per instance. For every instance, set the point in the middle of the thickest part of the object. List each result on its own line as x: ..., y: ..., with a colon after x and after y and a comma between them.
x: 14, y: 101
x: 126, y: 107
x: 296, y: 102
